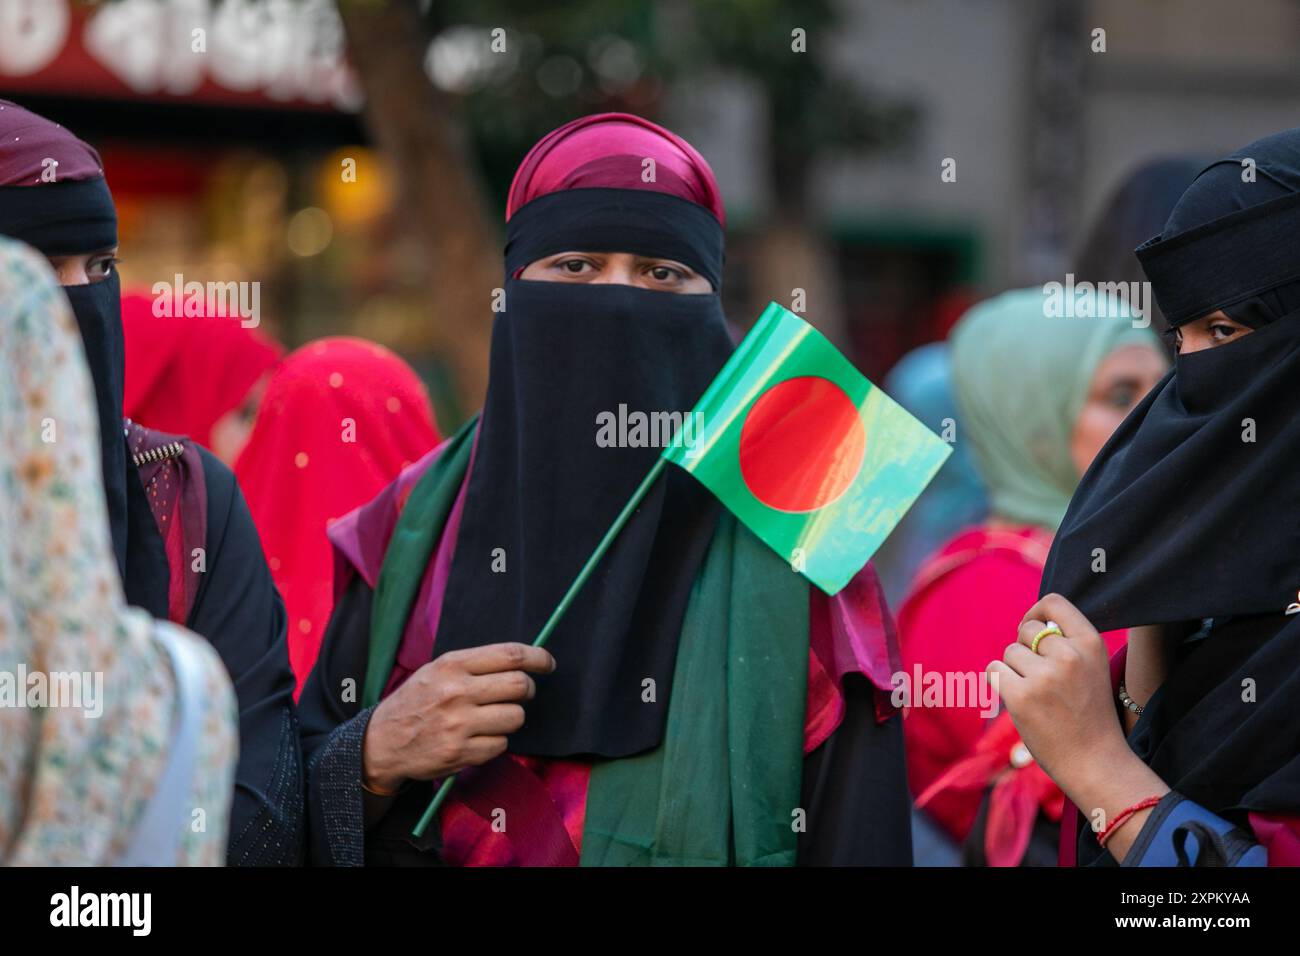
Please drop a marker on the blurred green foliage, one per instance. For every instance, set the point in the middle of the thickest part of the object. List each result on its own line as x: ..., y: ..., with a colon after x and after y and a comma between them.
x: 581, y: 56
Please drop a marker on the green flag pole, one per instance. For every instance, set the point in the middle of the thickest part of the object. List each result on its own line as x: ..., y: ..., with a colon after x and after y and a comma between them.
x: 540, y: 641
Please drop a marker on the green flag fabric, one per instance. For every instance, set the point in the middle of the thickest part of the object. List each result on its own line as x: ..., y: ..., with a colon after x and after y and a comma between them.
x: 723, y: 789
x: 813, y: 458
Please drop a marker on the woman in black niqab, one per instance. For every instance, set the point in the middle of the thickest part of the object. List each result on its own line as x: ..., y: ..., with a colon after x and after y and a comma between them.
x: 55, y: 198
x: 1212, y: 761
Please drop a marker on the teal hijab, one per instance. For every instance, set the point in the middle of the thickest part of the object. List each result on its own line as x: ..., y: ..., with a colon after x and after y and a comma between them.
x: 1021, y: 377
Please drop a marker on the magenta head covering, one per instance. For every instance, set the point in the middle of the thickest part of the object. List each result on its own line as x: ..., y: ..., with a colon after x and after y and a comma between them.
x: 27, y: 141
x: 52, y: 190
x: 588, y: 186
x: 609, y: 150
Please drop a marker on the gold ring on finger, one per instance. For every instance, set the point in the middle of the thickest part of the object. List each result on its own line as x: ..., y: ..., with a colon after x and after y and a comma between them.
x: 1051, y: 628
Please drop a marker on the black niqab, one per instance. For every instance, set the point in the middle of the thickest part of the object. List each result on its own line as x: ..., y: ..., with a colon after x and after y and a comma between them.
x: 98, y: 311
x: 543, y: 490
x: 1217, y: 444
x: 1228, y: 242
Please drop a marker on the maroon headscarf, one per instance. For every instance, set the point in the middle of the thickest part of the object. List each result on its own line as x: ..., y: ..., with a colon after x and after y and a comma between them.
x: 28, y: 140
x: 52, y: 190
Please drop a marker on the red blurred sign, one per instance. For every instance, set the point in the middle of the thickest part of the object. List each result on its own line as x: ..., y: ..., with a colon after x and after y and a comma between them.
x: 283, y: 53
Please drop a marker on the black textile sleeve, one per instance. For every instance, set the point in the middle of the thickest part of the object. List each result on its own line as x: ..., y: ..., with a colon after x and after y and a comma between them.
x: 855, y: 790
x: 346, y: 826
x: 336, y: 809
x: 147, y: 571
x: 239, y: 611
x: 333, y: 730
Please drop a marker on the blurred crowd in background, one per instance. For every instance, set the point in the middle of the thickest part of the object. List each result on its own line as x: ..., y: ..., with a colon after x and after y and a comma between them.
x: 830, y: 163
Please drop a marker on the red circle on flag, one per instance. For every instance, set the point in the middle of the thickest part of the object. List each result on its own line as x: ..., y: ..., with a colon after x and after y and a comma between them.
x: 802, y: 444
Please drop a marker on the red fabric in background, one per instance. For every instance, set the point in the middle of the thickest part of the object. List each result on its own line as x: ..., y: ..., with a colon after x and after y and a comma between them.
x: 340, y: 419
x: 1280, y: 836
x: 183, y: 374
x: 964, y: 609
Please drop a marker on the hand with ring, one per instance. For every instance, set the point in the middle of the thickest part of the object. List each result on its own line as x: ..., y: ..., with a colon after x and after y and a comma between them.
x: 1055, y: 681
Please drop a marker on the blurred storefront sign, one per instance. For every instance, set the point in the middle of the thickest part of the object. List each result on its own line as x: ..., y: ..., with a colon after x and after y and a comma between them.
x: 285, y: 54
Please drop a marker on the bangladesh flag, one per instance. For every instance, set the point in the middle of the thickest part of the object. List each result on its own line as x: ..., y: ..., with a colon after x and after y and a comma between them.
x: 814, y: 459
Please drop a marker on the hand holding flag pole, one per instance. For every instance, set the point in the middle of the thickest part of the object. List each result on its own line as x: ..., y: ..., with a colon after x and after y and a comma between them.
x: 815, y: 460
x: 540, y: 641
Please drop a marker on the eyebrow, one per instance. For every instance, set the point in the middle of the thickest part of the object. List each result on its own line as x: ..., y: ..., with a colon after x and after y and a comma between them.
x: 676, y: 263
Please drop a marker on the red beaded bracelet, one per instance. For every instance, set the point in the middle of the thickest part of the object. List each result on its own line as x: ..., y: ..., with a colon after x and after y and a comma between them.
x: 1123, y: 815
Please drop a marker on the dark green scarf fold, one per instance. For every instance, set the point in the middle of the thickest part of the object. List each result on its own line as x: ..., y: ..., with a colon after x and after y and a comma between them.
x: 724, y: 786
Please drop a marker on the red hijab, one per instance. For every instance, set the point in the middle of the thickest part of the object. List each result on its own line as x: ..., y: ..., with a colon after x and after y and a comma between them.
x: 183, y: 374
x: 340, y: 418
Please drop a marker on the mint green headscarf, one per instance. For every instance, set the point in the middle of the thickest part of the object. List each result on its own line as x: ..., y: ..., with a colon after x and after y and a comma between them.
x: 1021, y: 377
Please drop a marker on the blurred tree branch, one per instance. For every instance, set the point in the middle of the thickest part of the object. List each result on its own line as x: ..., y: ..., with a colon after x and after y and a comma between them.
x: 439, y: 194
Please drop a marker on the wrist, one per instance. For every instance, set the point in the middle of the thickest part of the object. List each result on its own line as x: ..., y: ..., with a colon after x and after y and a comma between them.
x: 1146, y: 662
x: 1111, y: 787
x: 1135, y: 814
x: 378, y: 773
x: 1139, y: 688
x: 1098, y: 779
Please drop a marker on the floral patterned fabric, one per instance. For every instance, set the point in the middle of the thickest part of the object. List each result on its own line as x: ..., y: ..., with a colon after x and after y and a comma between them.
x: 77, y: 772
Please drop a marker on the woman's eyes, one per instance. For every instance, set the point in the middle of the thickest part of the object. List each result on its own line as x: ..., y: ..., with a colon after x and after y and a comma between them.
x: 666, y: 274
x: 659, y: 273
x: 101, y: 268
x: 1219, y: 332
